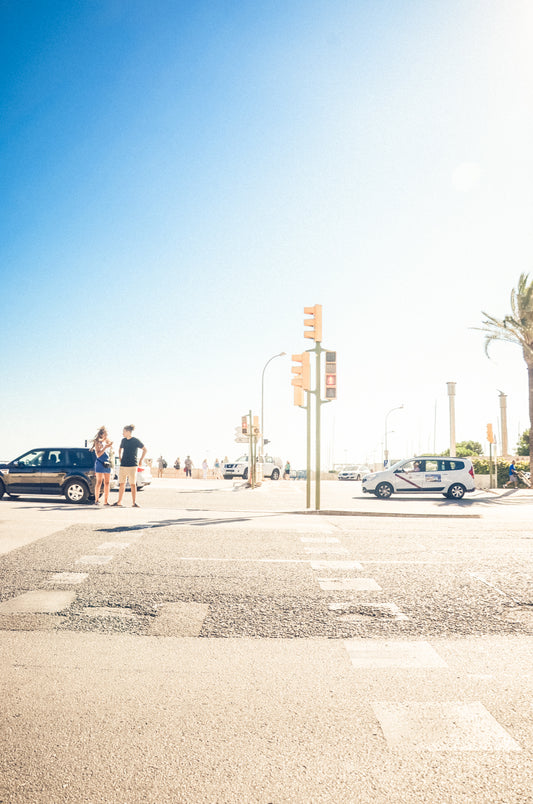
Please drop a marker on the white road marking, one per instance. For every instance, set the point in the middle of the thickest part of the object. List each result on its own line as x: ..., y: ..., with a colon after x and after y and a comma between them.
x: 107, y: 611
x: 179, y: 619
x: 38, y: 602
x: 320, y: 539
x: 326, y: 550
x: 349, y: 585
x: 445, y: 726
x: 381, y: 653
x: 68, y: 577
x: 94, y: 560
x: 336, y: 565
x: 349, y: 607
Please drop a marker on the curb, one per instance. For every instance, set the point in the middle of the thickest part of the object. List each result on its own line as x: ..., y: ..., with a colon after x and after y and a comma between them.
x: 330, y: 512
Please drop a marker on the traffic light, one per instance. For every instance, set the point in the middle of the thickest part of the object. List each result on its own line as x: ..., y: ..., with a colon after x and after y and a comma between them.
x: 244, y: 425
x: 315, y: 323
x: 302, y: 378
x: 303, y: 371
x: 490, y: 434
x: 256, y: 430
x: 331, y: 375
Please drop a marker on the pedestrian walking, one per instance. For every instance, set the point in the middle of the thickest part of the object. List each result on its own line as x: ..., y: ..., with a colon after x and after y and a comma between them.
x: 102, y: 464
x: 129, y: 461
x: 161, y: 463
x: 177, y: 465
x: 513, y: 475
x: 188, y: 466
x: 218, y: 469
x: 287, y: 471
x: 205, y: 468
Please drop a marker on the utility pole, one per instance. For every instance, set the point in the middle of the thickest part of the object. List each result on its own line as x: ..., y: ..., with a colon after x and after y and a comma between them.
x: 451, y: 395
x: 503, y: 421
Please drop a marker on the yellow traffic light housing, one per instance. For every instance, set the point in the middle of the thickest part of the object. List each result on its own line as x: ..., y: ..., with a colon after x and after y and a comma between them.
x: 315, y: 323
x: 302, y: 371
x: 302, y: 378
x: 490, y: 434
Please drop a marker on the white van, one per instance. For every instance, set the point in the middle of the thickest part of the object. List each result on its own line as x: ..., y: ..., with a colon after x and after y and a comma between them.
x: 451, y: 476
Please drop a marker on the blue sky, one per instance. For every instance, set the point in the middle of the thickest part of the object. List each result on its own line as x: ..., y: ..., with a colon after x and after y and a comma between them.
x: 180, y: 179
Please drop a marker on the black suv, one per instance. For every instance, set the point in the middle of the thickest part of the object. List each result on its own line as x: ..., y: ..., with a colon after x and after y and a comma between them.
x: 63, y: 470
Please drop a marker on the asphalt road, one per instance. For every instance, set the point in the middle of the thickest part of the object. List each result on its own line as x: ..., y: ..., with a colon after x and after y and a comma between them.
x: 211, y: 647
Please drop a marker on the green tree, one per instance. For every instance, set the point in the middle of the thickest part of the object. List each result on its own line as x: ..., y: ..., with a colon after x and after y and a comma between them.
x: 465, y: 449
x: 522, y: 448
x: 516, y: 328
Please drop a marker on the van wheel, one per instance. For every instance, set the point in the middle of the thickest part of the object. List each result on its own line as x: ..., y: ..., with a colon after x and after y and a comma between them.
x: 456, y: 491
x: 76, y: 492
x: 384, y: 491
x: 275, y: 474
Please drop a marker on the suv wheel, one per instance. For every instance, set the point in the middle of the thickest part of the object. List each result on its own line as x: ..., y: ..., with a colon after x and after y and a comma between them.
x: 275, y: 474
x: 384, y: 491
x: 456, y: 491
x: 2, y: 489
x: 245, y: 474
x: 76, y: 492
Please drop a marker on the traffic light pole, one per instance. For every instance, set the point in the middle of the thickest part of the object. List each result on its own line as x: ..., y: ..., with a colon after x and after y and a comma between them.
x: 318, y: 402
x: 308, y: 472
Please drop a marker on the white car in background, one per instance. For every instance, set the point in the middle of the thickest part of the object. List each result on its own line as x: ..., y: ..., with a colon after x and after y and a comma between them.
x: 451, y: 476
x: 144, y: 477
x: 353, y: 472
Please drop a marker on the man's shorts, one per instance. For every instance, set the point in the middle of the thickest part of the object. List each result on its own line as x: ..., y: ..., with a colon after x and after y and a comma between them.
x: 127, y: 473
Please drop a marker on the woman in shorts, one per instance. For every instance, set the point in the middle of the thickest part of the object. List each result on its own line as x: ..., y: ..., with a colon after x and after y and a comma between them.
x: 102, y: 465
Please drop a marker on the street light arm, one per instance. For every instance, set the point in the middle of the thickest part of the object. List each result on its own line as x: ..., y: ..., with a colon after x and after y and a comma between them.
x: 281, y: 354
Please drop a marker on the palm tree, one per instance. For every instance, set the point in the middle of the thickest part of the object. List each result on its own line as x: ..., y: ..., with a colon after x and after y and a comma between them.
x: 516, y: 328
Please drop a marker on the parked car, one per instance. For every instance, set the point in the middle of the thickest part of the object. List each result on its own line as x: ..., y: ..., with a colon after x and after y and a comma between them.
x: 50, y: 470
x: 144, y: 477
x: 240, y: 468
x: 452, y: 476
x: 353, y: 472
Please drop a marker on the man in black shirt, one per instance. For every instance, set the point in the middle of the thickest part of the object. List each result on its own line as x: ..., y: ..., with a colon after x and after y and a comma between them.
x: 128, y: 455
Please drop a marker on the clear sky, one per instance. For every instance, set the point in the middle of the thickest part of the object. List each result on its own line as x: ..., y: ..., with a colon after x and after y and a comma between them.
x: 179, y: 179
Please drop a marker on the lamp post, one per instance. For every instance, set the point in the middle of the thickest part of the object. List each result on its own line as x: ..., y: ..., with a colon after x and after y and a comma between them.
x: 281, y: 354
x: 386, y: 451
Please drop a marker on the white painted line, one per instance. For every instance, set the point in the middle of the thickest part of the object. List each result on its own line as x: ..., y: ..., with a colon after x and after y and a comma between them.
x: 448, y: 726
x: 382, y: 653
x: 389, y: 609
x: 68, y: 577
x: 107, y: 611
x: 38, y: 602
x: 113, y: 546
x: 320, y: 539
x: 487, y: 583
x: 94, y: 560
x: 336, y: 565
x: 349, y: 585
x: 179, y: 619
x: 326, y: 550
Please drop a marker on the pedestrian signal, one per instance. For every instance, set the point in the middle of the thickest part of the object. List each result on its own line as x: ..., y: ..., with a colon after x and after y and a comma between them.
x: 331, y: 375
x: 315, y: 323
x: 490, y: 434
x: 244, y: 425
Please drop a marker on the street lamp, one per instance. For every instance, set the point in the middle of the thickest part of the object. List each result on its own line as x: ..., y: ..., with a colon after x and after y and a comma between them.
x: 386, y: 451
x: 281, y: 354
